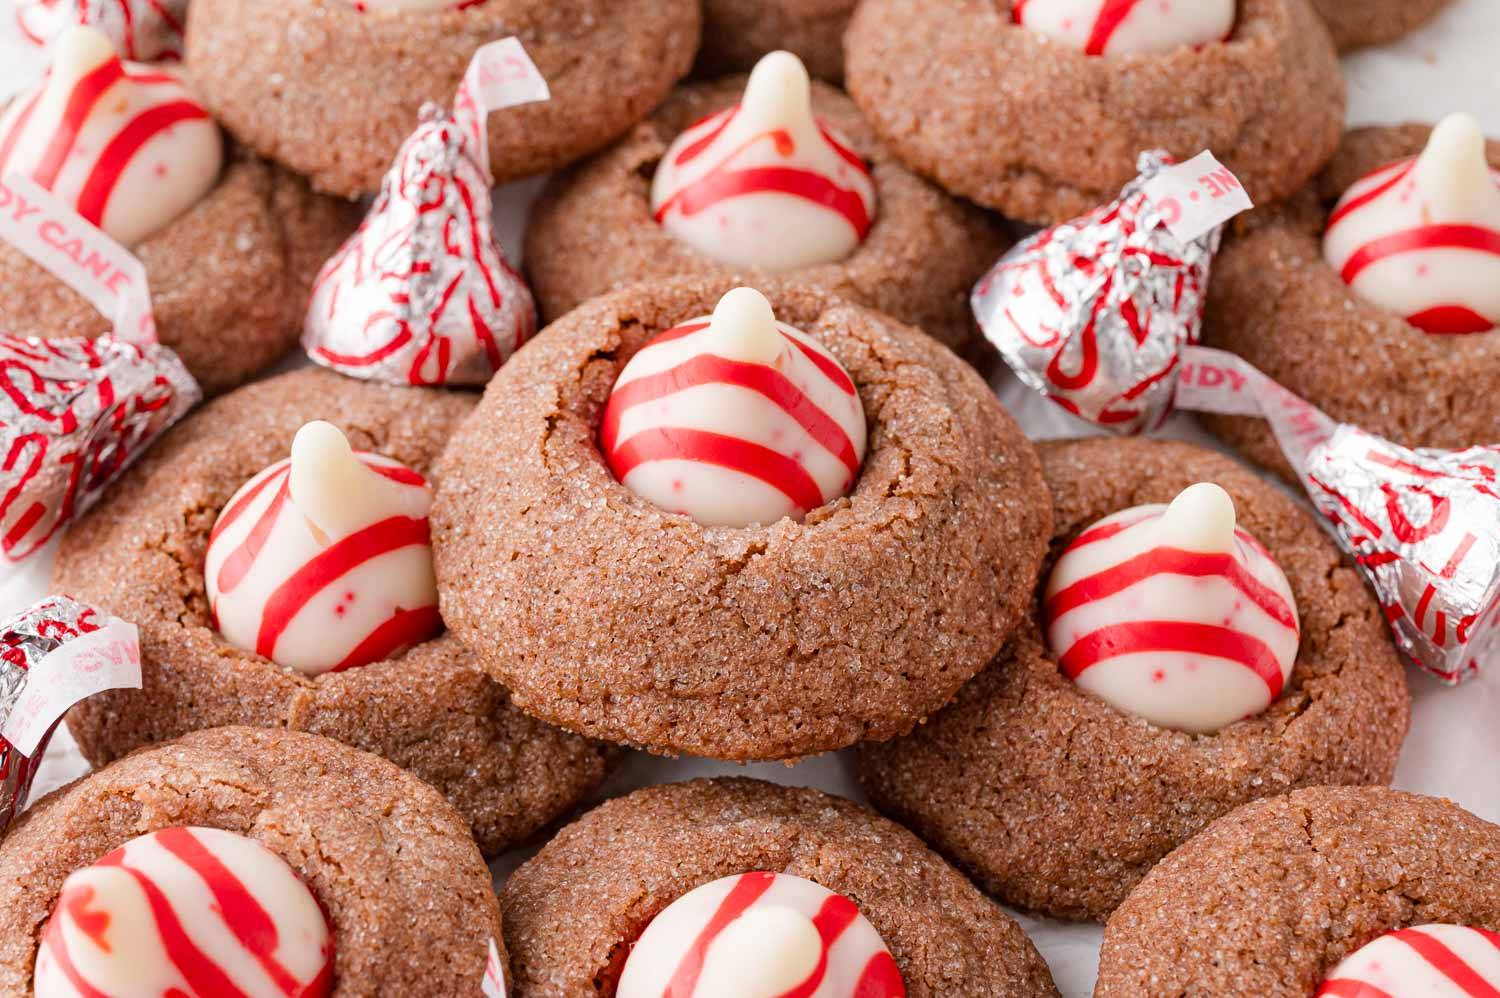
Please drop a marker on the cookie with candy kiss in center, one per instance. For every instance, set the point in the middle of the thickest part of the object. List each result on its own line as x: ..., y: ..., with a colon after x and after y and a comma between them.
x: 323, y: 561
x: 735, y: 419
x: 186, y: 911
x: 1421, y: 237
x: 761, y: 935
x: 126, y: 146
x: 1174, y: 614
x: 764, y: 183
x: 1431, y: 961
x: 1127, y: 27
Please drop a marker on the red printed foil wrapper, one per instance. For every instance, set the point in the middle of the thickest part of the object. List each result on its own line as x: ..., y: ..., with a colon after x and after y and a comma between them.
x: 141, y: 30
x: 53, y: 654
x: 1094, y: 313
x: 422, y: 293
x: 1423, y: 524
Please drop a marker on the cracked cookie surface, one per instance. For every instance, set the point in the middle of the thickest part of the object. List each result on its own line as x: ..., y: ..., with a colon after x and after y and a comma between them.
x: 1056, y: 801
x: 139, y: 554
x: 374, y: 844
x: 572, y: 912
x: 1270, y: 898
x: 613, y: 618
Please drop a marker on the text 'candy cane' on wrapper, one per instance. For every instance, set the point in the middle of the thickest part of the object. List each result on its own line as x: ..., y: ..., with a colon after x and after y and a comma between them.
x: 422, y: 293
x: 75, y: 412
x: 53, y: 654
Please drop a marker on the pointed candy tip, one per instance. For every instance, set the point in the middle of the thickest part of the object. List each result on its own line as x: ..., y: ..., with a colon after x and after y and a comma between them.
x: 744, y: 327
x: 1201, y: 518
x: 779, y: 85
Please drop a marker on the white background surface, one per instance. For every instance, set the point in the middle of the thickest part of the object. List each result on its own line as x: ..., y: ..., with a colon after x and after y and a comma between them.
x: 1450, y: 65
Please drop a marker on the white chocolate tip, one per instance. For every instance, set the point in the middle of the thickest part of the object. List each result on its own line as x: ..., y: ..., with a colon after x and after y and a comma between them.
x: 779, y: 91
x: 80, y: 48
x: 1454, y: 170
x: 327, y: 481
x: 1201, y: 518
x: 743, y: 328
x: 766, y: 951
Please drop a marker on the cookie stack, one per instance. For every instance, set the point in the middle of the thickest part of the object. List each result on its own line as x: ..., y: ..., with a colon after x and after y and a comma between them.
x: 736, y: 487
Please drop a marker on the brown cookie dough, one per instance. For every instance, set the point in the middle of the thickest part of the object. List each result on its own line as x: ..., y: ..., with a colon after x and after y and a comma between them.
x: 1269, y: 899
x: 572, y: 912
x: 736, y: 33
x: 1356, y: 23
x: 229, y: 279
x: 613, y: 618
x: 1275, y: 301
x: 1044, y: 133
x: 332, y: 91
x: 378, y: 848
x: 593, y: 230
x: 139, y: 554
x: 1056, y: 801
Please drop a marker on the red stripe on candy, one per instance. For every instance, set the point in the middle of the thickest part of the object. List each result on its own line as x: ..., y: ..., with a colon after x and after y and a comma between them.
x: 85, y: 94
x: 1150, y: 636
x: 1451, y: 320
x: 746, y: 891
x: 881, y: 978
x: 403, y: 630
x: 1448, y: 963
x: 1465, y: 237
x: 699, y: 146
x: 835, y: 915
x: 117, y: 156
x: 827, y: 365
x: 395, y: 472
x: 724, y: 185
x: 242, y: 558
x: 761, y: 463
x: 1111, y: 16
x: 14, y: 135
x: 1343, y: 987
x: 57, y: 946
x: 1402, y: 171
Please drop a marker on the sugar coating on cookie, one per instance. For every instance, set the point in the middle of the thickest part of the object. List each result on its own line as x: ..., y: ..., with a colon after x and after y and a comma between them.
x: 1421, y: 237
x: 761, y: 935
x: 1127, y: 27
x: 765, y: 183
x: 735, y: 418
x: 186, y: 911
x: 140, y: 30
x: 323, y: 561
x: 1430, y: 961
x: 125, y: 145
x: 1434, y: 961
x: 1174, y: 614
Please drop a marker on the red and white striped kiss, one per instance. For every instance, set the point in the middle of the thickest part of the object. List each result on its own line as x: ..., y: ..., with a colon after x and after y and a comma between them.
x: 1174, y: 614
x: 761, y: 935
x: 1426, y: 961
x: 125, y: 145
x: 1127, y: 27
x: 765, y: 184
x: 186, y: 913
x: 735, y: 419
x: 323, y: 561
x: 140, y: 30
x: 1421, y: 237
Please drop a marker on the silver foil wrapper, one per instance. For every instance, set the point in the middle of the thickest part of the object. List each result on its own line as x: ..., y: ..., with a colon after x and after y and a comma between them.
x: 142, y: 30
x: 1094, y: 313
x: 74, y: 413
x: 1425, y: 527
x: 25, y: 640
x: 422, y: 293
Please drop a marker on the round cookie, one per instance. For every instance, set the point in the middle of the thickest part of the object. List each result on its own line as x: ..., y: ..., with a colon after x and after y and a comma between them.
x: 736, y: 33
x: 1057, y: 802
x: 593, y: 231
x: 608, y: 616
x: 229, y: 279
x: 374, y: 844
x: 1357, y: 23
x: 1269, y: 899
x: 1045, y: 133
x: 432, y: 710
x: 291, y: 78
x: 572, y: 911
x: 1275, y: 301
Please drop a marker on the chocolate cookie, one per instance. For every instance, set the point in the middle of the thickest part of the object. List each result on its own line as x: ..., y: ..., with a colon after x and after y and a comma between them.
x: 736, y: 33
x: 614, y: 618
x: 1356, y: 23
x: 1043, y: 132
x: 593, y: 230
x: 1056, y: 801
x: 229, y: 279
x: 433, y: 711
x: 374, y: 844
x: 292, y: 78
x: 1267, y: 900
x: 573, y: 912
x: 1275, y: 301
